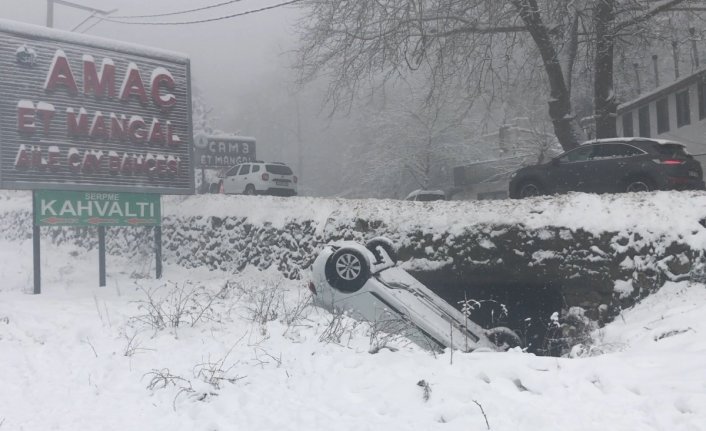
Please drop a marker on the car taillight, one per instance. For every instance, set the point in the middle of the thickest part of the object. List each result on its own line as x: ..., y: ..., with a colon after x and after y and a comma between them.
x: 295, y: 179
x: 265, y: 177
x: 669, y: 162
x: 312, y: 288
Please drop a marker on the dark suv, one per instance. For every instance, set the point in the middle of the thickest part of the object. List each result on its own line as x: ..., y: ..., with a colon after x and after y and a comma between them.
x: 612, y: 165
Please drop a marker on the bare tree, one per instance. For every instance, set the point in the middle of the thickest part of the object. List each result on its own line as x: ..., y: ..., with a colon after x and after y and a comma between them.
x: 407, y: 144
x: 477, y: 44
x: 615, y: 20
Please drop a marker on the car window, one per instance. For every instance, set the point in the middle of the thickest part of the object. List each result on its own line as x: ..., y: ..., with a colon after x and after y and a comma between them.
x: 255, y: 168
x: 278, y: 169
x: 232, y: 171
x: 244, y: 170
x: 614, y: 151
x: 580, y: 154
x: 672, y: 150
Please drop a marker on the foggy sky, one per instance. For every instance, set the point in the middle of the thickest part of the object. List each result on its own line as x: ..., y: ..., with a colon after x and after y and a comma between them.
x: 228, y: 57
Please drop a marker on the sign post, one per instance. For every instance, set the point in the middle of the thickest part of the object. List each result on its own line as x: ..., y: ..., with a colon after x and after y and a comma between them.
x: 96, y: 209
x: 36, y: 250
x: 158, y: 251
x: 101, y: 256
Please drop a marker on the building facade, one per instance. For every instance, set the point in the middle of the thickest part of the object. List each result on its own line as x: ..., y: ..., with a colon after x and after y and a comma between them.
x: 675, y: 112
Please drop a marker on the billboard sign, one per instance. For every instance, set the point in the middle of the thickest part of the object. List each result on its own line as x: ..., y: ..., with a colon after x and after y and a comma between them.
x: 62, y: 208
x: 222, y: 151
x: 84, y: 113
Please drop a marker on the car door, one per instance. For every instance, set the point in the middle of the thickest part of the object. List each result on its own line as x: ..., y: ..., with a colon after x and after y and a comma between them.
x: 608, y: 166
x: 229, y: 180
x: 568, y: 171
x: 242, y: 178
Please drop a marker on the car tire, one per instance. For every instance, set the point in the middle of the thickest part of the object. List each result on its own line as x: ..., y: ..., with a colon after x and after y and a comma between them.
x: 529, y: 189
x: 386, y: 245
x: 249, y: 190
x: 347, y: 270
x: 503, y: 338
x: 639, y: 184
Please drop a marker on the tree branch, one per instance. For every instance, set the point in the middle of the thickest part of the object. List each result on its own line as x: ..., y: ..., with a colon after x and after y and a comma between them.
x: 651, y: 13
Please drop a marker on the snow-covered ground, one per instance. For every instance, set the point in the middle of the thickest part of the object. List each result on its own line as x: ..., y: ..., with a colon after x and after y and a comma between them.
x: 80, y: 357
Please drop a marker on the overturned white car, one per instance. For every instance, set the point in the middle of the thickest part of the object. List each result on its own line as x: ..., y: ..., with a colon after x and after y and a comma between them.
x: 365, y: 282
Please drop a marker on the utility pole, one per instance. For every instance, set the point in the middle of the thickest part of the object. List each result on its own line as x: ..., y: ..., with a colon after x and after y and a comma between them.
x: 92, y: 10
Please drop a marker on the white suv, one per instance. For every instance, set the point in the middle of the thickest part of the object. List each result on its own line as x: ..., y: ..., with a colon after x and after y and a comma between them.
x: 273, y: 178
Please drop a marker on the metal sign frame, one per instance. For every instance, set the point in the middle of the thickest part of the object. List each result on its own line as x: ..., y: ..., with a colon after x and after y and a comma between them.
x: 125, y: 127
x: 90, y: 209
x: 223, y: 151
x: 28, y: 61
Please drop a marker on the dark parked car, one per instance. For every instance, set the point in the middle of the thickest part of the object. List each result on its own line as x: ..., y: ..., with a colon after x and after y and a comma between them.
x: 612, y: 165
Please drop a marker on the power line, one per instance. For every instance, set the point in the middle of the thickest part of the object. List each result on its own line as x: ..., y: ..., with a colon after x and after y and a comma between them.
x: 179, y: 12
x: 203, y: 20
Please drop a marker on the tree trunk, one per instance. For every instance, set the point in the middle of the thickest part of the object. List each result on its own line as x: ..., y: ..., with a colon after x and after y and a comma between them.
x: 571, y: 50
x: 604, y: 104
x: 565, y: 126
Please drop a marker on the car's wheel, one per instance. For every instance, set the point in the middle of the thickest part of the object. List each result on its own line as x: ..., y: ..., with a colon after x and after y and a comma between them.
x: 503, y: 338
x: 347, y: 270
x: 529, y: 188
x: 250, y: 190
x: 639, y: 184
x: 385, y: 244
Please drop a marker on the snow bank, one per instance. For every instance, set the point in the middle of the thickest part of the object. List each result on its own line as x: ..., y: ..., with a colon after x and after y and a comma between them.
x: 79, y: 357
x: 665, y: 215
x: 578, y: 243
x: 661, y: 215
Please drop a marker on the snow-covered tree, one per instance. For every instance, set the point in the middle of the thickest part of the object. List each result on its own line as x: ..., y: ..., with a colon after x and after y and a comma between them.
x: 481, y: 45
x: 408, y: 143
x: 200, y: 113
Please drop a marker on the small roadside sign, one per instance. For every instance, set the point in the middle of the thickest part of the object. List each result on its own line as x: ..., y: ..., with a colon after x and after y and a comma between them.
x: 222, y: 151
x: 67, y: 208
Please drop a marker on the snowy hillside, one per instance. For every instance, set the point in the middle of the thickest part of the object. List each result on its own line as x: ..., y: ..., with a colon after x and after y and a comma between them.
x: 209, y: 350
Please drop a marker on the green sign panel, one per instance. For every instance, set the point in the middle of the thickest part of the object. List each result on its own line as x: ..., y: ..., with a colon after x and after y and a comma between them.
x: 63, y: 208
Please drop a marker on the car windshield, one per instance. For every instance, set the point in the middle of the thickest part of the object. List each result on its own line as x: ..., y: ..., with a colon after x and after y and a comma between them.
x: 278, y: 169
x: 672, y: 150
x: 229, y: 172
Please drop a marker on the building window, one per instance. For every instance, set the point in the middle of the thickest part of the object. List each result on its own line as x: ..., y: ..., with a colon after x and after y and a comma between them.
x: 662, y: 115
x: 627, y: 124
x: 683, y: 113
x: 643, y: 116
x: 702, y: 100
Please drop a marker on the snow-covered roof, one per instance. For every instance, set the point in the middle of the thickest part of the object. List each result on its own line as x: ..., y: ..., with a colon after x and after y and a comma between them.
x: 51, y: 34
x: 661, y: 91
x: 632, y: 139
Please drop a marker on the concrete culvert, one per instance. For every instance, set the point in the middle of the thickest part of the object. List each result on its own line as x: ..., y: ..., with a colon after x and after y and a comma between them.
x: 526, y: 307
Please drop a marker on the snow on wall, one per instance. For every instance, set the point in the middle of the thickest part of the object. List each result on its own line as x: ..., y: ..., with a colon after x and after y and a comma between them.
x: 582, y: 243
